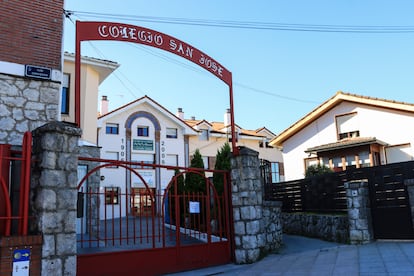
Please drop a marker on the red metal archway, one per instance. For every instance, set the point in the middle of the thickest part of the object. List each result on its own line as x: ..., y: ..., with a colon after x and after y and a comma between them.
x: 129, y: 33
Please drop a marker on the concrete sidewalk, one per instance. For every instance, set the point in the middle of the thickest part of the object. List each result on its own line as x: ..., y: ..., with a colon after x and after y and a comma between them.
x: 306, y: 256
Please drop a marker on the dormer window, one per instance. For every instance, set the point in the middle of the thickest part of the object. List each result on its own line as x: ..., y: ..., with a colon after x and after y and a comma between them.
x: 347, y: 125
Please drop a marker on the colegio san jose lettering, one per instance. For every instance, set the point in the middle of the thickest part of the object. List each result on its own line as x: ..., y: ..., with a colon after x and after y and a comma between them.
x: 159, y: 40
x: 211, y: 65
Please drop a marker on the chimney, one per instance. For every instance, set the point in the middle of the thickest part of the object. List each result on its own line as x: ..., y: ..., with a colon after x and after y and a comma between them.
x: 193, y: 118
x: 104, y: 105
x: 180, y: 113
x: 227, y: 120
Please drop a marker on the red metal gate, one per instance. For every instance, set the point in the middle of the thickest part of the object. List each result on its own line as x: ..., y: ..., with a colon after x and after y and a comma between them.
x: 148, y: 232
x: 15, y: 187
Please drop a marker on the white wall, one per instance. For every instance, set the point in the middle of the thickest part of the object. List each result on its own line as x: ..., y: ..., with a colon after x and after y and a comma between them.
x: 390, y: 126
x: 167, y: 147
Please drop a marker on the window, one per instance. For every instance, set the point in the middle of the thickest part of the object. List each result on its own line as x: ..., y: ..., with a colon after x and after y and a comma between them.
x: 112, y: 155
x: 347, y: 125
x: 111, y: 195
x: 172, y: 133
x: 351, y: 134
x: 364, y: 159
x: 171, y: 160
x: 203, y: 135
x: 143, y: 131
x: 64, y: 106
x: 312, y: 161
x: 277, y: 172
x: 112, y: 128
x: 350, y: 161
x: 337, y: 164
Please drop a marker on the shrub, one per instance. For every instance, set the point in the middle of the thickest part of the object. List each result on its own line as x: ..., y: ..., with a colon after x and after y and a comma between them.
x: 319, y: 169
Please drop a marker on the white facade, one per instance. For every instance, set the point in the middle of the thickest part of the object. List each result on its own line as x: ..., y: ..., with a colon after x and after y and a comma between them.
x: 147, y: 133
x: 370, y: 124
x: 213, y: 135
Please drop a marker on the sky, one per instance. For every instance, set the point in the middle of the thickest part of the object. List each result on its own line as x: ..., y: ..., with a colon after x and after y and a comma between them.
x: 279, y: 74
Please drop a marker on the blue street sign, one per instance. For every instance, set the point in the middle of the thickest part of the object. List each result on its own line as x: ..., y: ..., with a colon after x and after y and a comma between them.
x: 37, y: 72
x: 21, y: 255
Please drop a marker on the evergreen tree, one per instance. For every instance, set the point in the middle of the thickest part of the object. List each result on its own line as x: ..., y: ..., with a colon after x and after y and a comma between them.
x: 222, y: 163
x: 180, y: 182
x: 176, y: 199
x: 194, y: 182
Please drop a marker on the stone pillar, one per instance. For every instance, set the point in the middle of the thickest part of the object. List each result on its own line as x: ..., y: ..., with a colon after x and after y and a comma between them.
x: 359, y: 212
x: 54, y: 195
x: 410, y: 188
x: 257, y: 227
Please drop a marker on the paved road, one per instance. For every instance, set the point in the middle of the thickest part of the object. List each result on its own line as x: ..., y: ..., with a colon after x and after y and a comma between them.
x: 305, y: 256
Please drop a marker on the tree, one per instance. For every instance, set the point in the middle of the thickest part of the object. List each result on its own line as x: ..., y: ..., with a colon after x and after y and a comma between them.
x: 180, y: 182
x: 173, y: 199
x: 195, y: 182
x: 222, y: 163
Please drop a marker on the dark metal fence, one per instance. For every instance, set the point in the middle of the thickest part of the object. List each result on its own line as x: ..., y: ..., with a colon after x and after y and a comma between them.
x: 326, y: 193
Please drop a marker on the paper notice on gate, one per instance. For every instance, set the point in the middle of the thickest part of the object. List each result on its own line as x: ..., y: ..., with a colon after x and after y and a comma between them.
x: 194, y: 207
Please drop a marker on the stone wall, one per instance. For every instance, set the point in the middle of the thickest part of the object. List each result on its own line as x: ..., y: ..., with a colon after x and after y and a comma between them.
x: 272, y: 224
x: 26, y: 105
x: 333, y: 228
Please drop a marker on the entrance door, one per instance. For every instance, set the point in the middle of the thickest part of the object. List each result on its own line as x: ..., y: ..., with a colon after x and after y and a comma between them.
x: 141, y: 201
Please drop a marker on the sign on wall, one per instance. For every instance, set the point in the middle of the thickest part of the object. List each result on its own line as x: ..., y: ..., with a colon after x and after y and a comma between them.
x: 37, y: 72
x: 21, y: 262
x: 147, y: 175
x: 194, y: 207
x: 139, y: 144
